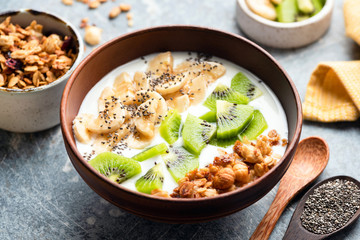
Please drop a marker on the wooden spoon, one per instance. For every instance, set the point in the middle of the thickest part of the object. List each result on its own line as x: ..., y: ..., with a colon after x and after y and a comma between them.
x: 298, y: 232
x: 311, y: 158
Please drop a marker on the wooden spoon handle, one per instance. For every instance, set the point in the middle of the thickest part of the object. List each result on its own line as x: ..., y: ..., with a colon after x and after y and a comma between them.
x: 268, y: 222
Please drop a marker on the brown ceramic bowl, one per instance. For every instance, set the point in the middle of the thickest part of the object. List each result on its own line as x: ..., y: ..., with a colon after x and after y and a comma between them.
x: 179, y: 38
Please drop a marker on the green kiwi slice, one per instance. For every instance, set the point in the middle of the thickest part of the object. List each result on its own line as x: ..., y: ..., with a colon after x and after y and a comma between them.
x: 150, y: 152
x: 243, y: 85
x: 170, y: 126
x: 115, y: 167
x: 287, y: 11
x: 223, y: 92
x: 153, y: 179
x: 179, y: 162
x: 256, y: 127
x: 318, y: 5
x: 305, y: 6
x: 232, y: 118
x: 197, y: 133
x: 209, y: 116
x: 223, y: 142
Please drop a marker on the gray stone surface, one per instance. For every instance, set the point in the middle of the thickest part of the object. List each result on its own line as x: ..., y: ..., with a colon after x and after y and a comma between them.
x: 43, y: 197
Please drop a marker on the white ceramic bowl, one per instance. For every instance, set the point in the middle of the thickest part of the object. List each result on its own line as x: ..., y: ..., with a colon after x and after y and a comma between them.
x: 37, y: 109
x: 283, y: 35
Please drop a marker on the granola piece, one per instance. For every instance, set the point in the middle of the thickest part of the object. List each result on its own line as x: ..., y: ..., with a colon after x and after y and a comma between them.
x: 250, y: 153
x: 274, y: 138
x: 263, y: 145
x: 129, y: 16
x: 224, y: 179
x: 63, y: 62
x: 125, y: 7
x: 186, y: 190
x: 67, y: 2
x: 94, y: 4
x: 84, y: 22
x: 115, y: 11
x: 92, y: 35
x: 260, y: 169
x: 2, y: 80
x: 52, y: 43
x: 160, y: 193
x: 210, y: 193
x: 13, y: 81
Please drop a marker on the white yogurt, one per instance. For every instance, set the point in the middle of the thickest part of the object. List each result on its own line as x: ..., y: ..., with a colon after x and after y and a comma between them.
x: 267, y: 103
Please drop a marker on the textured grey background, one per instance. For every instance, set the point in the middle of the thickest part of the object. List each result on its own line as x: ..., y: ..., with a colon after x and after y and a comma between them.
x: 43, y: 197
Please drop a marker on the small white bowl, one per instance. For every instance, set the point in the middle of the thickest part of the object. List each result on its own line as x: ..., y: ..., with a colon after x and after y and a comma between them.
x: 283, y: 35
x: 37, y: 109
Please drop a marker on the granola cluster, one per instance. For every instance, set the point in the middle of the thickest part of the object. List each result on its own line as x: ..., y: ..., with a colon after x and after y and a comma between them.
x: 28, y: 59
x: 229, y: 171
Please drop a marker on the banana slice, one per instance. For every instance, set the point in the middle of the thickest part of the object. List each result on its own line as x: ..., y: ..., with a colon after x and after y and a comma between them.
x: 141, y: 81
x: 146, y: 117
x: 106, y: 97
x: 181, y: 103
x: 162, y: 108
x: 138, y: 142
x: 197, y: 89
x: 212, y: 70
x: 112, y: 141
x: 263, y: 8
x: 108, y: 121
x: 82, y: 134
x: 161, y: 63
x: 171, y: 83
x: 124, y: 88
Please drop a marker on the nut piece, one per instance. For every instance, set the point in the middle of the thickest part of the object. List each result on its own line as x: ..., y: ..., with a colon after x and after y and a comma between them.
x: 241, y: 171
x: 160, y: 193
x: 115, y: 11
x: 67, y: 2
x: 186, y: 190
x: 224, y: 179
x: 94, y: 4
x: 249, y: 152
x: 93, y: 35
x: 129, y: 16
x: 125, y: 7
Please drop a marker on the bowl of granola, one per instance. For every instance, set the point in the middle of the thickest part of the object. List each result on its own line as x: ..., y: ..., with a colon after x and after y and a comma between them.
x: 180, y: 130
x: 38, y: 52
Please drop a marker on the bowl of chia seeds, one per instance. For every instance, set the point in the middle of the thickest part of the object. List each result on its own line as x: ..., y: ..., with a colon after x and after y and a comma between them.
x: 327, y: 208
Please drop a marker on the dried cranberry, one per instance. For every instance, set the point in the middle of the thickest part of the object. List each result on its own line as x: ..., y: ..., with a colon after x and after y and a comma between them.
x: 14, y: 64
x: 67, y: 43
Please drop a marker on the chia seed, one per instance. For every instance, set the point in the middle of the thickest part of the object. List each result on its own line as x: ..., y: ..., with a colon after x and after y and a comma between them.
x: 330, y: 206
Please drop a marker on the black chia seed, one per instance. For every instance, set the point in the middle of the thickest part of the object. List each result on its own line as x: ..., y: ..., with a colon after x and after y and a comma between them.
x: 331, y: 206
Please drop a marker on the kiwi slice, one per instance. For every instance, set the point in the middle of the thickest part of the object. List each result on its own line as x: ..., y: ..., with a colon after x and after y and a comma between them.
x: 170, y: 126
x: 197, y: 133
x: 115, y: 167
x: 318, y: 5
x: 223, y: 92
x: 257, y: 126
x: 179, y: 162
x: 243, y: 85
x: 287, y: 10
x: 223, y: 142
x: 153, y: 179
x: 232, y: 118
x: 209, y: 116
x: 150, y: 152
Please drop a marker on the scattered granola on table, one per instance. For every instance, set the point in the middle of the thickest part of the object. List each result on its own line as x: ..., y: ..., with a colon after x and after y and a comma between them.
x: 29, y: 59
x: 229, y: 171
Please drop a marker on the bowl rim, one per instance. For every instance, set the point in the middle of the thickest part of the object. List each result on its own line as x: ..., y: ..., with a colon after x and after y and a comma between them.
x: 72, y: 68
x: 329, y: 5
x: 68, y: 133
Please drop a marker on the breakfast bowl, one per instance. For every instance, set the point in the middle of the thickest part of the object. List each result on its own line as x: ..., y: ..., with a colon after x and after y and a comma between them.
x: 33, y: 103
x: 283, y: 34
x: 126, y: 48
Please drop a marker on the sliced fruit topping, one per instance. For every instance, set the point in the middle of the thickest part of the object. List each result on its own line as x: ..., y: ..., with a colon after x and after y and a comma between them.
x: 223, y: 142
x: 222, y: 92
x: 243, y: 85
x: 197, y: 133
x: 151, y: 152
x: 209, y: 116
x: 141, y: 81
x: 124, y: 88
x: 161, y: 63
x: 179, y: 162
x: 170, y: 126
x: 153, y: 179
x: 180, y: 103
x: 286, y: 11
x: 82, y: 134
x: 115, y: 167
x: 232, y: 118
x: 256, y: 126
x: 197, y: 89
